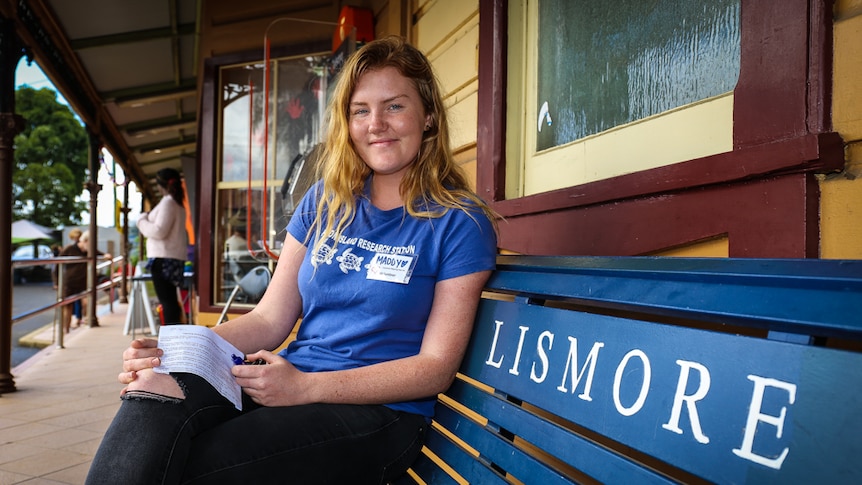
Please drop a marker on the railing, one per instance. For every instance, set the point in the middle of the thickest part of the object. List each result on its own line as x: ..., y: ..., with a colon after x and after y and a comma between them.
x: 114, y: 280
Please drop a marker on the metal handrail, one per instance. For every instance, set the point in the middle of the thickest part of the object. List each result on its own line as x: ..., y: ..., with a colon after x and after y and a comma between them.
x: 113, y: 281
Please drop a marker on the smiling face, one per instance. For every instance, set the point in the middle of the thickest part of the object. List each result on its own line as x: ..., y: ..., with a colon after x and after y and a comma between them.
x: 386, y: 121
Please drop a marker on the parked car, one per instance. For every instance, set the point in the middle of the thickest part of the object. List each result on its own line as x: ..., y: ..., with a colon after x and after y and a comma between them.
x: 40, y: 272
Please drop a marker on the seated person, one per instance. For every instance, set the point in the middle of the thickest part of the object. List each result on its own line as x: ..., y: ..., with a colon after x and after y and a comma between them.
x: 236, y: 247
x: 385, y: 260
x: 237, y: 257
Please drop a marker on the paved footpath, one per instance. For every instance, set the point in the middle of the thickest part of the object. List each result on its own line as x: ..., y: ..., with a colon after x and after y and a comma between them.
x: 65, y: 399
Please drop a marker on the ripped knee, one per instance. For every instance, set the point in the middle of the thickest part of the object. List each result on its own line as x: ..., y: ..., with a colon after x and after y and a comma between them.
x: 152, y: 385
x: 140, y: 395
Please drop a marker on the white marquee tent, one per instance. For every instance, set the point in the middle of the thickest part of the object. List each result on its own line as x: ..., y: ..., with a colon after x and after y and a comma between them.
x: 24, y: 230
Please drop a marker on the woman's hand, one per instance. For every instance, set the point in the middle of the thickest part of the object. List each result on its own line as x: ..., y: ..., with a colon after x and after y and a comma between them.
x: 141, y: 354
x: 276, y: 383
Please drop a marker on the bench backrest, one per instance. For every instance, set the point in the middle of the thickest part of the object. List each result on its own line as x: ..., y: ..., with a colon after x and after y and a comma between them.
x: 642, y: 370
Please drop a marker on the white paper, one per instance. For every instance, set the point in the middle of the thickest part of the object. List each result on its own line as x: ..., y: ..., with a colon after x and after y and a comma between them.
x: 198, y: 350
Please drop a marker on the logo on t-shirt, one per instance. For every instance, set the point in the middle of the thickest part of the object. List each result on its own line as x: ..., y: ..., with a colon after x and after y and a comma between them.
x: 393, y: 264
x: 349, y: 261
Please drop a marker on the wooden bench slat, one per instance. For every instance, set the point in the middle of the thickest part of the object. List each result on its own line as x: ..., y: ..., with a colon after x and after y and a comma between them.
x: 787, y: 295
x: 828, y: 271
x: 498, y: 450
x: 590, y: 458
x: 460, y: 460
x: 425, y: 468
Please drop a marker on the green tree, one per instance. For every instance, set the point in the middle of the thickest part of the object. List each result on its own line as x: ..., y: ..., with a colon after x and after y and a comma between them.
x: 50, y: 160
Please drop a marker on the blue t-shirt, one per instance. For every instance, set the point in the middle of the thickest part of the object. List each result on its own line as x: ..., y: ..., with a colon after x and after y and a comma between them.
x: 368, y: 299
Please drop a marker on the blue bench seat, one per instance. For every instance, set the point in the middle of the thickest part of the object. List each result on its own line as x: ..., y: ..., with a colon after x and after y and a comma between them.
x: 656, y: 370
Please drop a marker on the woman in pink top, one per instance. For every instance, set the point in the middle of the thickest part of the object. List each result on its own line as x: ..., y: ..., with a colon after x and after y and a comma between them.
x: 164, y: 228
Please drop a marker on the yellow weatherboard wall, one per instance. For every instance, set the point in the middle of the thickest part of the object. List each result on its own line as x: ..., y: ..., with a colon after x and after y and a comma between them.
x: 841, y: 194
x: 712, y: 248
x: 448, y: 33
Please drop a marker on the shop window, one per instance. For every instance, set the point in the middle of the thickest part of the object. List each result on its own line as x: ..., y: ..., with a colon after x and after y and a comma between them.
x: 262, y: 161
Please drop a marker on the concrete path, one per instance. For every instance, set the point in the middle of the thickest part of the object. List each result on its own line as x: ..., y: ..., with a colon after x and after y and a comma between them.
x: 52, y: 425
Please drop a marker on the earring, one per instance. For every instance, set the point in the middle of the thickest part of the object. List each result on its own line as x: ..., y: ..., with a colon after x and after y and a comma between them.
x: 427, y: 127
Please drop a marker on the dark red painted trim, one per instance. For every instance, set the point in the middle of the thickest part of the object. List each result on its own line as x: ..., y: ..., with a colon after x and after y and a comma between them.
x: 770, y: 99
x: 206, y: 182
x: 490, y: 138
x: 781, y: 121
x: 756, y: 216
x: 821, y: 153
x: 820, y: 67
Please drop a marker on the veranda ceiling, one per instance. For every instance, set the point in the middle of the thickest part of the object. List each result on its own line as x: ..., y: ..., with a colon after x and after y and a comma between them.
x: 131, y: 68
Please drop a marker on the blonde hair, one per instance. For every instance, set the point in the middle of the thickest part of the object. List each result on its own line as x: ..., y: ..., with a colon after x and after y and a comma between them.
x: 432, y: 185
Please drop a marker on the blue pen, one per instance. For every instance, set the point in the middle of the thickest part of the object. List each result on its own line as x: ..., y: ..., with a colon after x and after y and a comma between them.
x: 241, y: 361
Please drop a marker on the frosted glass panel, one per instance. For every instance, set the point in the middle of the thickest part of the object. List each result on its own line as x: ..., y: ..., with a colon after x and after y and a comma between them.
x: 604, y: 64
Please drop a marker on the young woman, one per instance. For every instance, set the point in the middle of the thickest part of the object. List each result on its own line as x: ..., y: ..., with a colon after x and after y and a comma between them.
x: 165, y: 230
x: 385, y: 261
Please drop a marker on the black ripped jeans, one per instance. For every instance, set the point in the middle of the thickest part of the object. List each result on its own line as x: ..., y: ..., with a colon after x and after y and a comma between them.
x: 204, y: 439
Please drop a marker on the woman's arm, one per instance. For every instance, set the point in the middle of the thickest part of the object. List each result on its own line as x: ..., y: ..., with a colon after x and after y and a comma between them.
x: 265, y: 327
x: 150, y: 225
x: 158, y: 223
x: 429, y: 372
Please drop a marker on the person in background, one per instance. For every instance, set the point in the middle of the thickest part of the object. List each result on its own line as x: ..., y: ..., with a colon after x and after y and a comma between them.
x: 236, y: 247
x: 75, y: 276
x: 78, y: 305
x: 385, y: 260
x: 167, y: 248
x: 237, y: 257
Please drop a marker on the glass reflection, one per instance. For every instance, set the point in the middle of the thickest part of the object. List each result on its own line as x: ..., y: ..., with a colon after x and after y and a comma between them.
x: 251, y: 213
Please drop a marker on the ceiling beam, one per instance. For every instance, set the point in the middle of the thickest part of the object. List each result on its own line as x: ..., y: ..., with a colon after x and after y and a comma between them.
x: 188, y: 142
x: 152, y: 93
x: 161, y: 161
x: 160, y: 125
x: 132, y: 37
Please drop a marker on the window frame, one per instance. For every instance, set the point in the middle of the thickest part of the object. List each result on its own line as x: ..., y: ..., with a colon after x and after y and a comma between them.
x: 781, y: 126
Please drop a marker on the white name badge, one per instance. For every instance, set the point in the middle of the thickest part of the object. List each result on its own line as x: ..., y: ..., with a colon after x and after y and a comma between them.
x: 394, y: 268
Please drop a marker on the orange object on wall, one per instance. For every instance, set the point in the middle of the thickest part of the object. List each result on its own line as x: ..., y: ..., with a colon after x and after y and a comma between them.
x: 190, y: 227
x: 360, y: 18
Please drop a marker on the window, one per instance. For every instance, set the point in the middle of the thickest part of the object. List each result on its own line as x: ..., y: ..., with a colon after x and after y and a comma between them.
x: 596, y: 82
x: 261, y: 167
x: 608, y: 65
x: 765, y: 138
